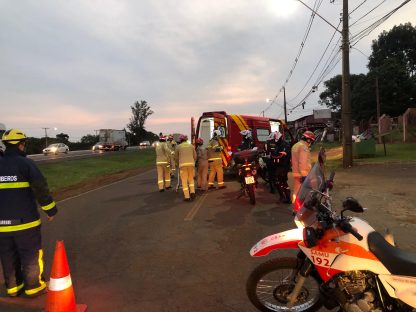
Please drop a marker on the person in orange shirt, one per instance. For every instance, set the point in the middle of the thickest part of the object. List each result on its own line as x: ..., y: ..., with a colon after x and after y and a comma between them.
x: 301, y: 160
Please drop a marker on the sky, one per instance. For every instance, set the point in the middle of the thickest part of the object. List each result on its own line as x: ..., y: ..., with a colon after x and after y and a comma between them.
x: 78, y: 66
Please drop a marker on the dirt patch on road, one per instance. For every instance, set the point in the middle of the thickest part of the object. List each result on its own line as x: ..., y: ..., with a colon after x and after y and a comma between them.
x: 96, y: 182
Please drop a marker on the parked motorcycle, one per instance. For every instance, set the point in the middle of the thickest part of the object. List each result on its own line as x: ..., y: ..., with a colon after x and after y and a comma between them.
x: 341, y: 261
x: 246, y: 165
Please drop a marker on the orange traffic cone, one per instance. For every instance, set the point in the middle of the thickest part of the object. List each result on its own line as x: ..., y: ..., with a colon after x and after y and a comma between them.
x: 60, y: 296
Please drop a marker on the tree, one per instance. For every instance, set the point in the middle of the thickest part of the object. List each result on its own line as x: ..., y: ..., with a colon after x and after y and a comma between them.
x: 393, y: 61
x: 393, y: 64
x: 399, y: 44
x: 332, y: 95
x: 89, y: 139
x: 140, y: 112
x: 62, y: 137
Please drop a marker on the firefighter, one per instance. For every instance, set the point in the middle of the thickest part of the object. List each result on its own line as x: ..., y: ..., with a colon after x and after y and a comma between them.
x: 247, y: 142
x: 185, y: 156
x: 278, y: 165
x: 202, y: 165
x: 301, y: 160
x: 215, y: 161
x: 22, y: 186
x: 171, y: 143
x: 163, y: 156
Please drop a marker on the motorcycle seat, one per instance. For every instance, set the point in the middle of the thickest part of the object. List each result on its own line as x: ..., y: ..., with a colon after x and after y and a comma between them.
x: 397, y: 261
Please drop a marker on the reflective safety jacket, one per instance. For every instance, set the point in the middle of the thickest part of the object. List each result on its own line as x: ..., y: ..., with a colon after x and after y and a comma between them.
x: 21, y: 186
x: 163, y: 154
x: 301, y: 159
x: 214, y: 150
x: 185, y: 155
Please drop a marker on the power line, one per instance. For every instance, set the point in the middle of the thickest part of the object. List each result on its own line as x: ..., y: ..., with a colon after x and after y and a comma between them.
x: 357, y: 7
x: 365, y: 32
x: 319, y: 62
x: 368, y: 12
x: 308, y: 28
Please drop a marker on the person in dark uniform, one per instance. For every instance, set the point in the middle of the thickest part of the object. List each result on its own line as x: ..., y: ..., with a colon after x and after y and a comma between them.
x: 278, y: 165
x: 22, y: 186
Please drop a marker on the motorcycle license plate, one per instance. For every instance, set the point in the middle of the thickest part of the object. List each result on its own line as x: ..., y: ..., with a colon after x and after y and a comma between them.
x: 249, y: 180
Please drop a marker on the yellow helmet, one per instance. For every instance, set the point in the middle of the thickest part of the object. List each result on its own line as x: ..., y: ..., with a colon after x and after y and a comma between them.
x: 14, y: 136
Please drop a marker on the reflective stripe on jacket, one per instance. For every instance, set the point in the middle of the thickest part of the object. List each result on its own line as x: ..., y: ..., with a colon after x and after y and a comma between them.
x: 21, y: 186
x: 185, y: 155
x: 301, y: 159
x: 162, y: 153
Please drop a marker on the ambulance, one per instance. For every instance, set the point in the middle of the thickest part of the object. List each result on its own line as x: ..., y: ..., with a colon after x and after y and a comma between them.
x: 230, y: 126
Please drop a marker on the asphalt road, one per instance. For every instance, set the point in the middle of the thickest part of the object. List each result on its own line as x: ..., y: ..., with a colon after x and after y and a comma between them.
x: 132, y: 248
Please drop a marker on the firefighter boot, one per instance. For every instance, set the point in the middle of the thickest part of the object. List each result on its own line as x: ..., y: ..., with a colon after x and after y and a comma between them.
x: 272, y: 189
x: 287, y: 199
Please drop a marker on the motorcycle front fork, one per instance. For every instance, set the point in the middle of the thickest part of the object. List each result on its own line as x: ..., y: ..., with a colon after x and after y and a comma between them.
x: 304, y: 269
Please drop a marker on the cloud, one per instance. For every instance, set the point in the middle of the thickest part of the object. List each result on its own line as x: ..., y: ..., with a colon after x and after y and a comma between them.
x: 89, y: 61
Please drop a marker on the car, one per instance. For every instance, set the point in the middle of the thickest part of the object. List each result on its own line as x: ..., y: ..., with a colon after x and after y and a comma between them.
x: 98, y: 146
x: 144, y: 144
x: 56, y: 148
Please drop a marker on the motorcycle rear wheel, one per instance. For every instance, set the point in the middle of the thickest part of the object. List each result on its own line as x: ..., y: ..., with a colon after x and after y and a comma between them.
x: 270, y: 283
x: 251, y: 194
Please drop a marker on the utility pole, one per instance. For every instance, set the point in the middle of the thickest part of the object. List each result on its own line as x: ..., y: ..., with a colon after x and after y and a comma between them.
x: 346, y: 98
x: 284, y: 103
x: 46, y: 137
x: 378, y: 111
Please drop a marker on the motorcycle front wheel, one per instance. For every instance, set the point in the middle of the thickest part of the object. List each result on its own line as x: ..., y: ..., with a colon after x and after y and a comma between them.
x: 269, y: 285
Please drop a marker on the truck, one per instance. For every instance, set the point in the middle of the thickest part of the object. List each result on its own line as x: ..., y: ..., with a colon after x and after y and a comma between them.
x: 112, y: 140
x: 230, y: 126
x: 2, y: 130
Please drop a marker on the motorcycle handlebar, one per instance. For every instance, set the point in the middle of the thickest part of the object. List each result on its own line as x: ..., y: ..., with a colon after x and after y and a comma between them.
x: 347, y: 227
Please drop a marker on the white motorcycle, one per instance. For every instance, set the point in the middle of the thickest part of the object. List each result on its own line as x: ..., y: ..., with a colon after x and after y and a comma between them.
x: 341, y: 261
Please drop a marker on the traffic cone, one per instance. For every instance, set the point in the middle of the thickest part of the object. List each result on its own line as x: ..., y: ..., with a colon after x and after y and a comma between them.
x: 60, y: 296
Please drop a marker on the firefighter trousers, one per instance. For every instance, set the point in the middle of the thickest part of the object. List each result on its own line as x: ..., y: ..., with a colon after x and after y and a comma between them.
x: 21, y: 256
x: 296, y: 187
x: 202, y: 180
x: 215, y: 169
x: 187, y: 178
x: 163, y: 176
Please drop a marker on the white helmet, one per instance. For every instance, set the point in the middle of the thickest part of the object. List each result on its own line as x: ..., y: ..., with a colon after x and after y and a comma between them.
x: 276, y: 135
x: 216, y: 133
x: 246, y: 133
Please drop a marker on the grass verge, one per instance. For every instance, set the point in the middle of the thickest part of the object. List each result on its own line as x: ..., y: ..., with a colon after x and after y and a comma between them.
x: 64, y: 174
x: 393, y: 153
